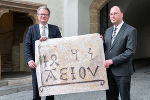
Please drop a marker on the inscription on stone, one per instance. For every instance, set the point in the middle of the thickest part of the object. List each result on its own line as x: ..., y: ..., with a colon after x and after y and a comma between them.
x: 70, y: 65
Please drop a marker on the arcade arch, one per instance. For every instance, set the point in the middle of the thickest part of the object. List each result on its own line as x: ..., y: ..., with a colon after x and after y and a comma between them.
x: 15, y: 18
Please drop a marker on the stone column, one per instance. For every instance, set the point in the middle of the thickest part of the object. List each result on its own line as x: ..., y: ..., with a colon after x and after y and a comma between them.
x: 71, y: 23
x: 94, y: 21
x: 23, y: 65
x: 15, y: 58
x: 0, y: 67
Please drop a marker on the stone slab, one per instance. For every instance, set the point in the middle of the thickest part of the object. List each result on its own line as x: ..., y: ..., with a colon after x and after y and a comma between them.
x: 70, y: 65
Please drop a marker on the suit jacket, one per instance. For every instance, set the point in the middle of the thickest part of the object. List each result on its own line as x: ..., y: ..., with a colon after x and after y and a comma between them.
x: 33, y: 34
x: 122, y: 49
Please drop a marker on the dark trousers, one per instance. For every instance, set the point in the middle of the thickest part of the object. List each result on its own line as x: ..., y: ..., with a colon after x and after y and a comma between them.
x: 35, y: 88
x: 118, y: 84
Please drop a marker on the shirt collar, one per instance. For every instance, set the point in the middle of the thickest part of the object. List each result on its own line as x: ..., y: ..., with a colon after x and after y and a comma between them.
x: 42, y: 25
x: 119, y: 26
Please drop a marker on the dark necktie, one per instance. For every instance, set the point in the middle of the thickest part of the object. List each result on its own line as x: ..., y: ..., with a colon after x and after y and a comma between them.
x: 113, y: 36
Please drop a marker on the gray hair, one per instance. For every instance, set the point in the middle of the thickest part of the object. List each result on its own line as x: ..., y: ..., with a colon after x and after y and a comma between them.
x: 43, y: 7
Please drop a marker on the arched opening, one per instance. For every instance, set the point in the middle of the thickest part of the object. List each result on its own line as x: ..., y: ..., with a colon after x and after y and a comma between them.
x: 15, y: 18
x: 13, y: 26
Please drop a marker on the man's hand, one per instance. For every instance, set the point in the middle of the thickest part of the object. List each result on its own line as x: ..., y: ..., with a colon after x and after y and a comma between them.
x: 107, y: 63
x: 101, y: 36
x: 32, y: 64
x: 43, y: 38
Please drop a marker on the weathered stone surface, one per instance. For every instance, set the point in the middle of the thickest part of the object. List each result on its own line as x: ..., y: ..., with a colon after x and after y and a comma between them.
x: 70, y: 65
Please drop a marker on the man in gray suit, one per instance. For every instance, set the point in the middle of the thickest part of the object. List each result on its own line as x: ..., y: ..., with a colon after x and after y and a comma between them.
x: 119, y: 45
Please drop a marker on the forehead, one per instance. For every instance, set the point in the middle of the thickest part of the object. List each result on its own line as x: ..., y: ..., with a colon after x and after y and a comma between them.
x: 43, y: 10
x: 115, y: 9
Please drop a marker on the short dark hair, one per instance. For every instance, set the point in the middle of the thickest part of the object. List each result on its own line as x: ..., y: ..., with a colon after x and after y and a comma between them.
x: 43, y: 7
x: 121, y: 10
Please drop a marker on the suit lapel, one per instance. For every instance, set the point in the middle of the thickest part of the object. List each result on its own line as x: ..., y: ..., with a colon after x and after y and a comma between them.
x: 119, y: 35
x: 37, y: 31
x: 49, y: 31
x: 110, y: 36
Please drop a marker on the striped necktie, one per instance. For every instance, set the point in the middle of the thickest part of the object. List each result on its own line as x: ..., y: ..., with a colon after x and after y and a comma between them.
x: 113, y: 36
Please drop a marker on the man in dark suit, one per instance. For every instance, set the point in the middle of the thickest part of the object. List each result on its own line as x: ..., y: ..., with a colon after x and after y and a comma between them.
x: 119, y: 45
x: 41, y: 32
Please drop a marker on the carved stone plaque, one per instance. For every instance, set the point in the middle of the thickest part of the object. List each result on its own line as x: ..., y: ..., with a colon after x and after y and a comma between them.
x: 70, y: 65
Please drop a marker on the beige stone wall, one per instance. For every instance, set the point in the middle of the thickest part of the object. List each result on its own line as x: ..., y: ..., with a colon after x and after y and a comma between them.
x: 95, y: 14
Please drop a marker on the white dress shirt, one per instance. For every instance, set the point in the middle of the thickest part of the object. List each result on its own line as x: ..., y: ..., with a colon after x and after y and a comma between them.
x: 41, y: 29
x: 118, y: 27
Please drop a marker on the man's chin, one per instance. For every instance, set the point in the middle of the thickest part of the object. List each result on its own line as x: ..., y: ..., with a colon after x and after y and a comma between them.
x: 113, y: 22
x: 43, y: 22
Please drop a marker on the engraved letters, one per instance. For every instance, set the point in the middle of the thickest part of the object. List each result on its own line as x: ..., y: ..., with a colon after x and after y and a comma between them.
x: 70, y: 65
x: 75, y: 73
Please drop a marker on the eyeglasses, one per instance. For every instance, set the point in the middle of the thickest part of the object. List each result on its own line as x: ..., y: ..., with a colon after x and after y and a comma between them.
x: 115, y: 13
x: 43, y: 14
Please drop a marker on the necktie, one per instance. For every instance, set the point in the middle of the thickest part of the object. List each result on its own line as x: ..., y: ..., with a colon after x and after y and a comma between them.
x: 113, y: 36
x: 43, y: 31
